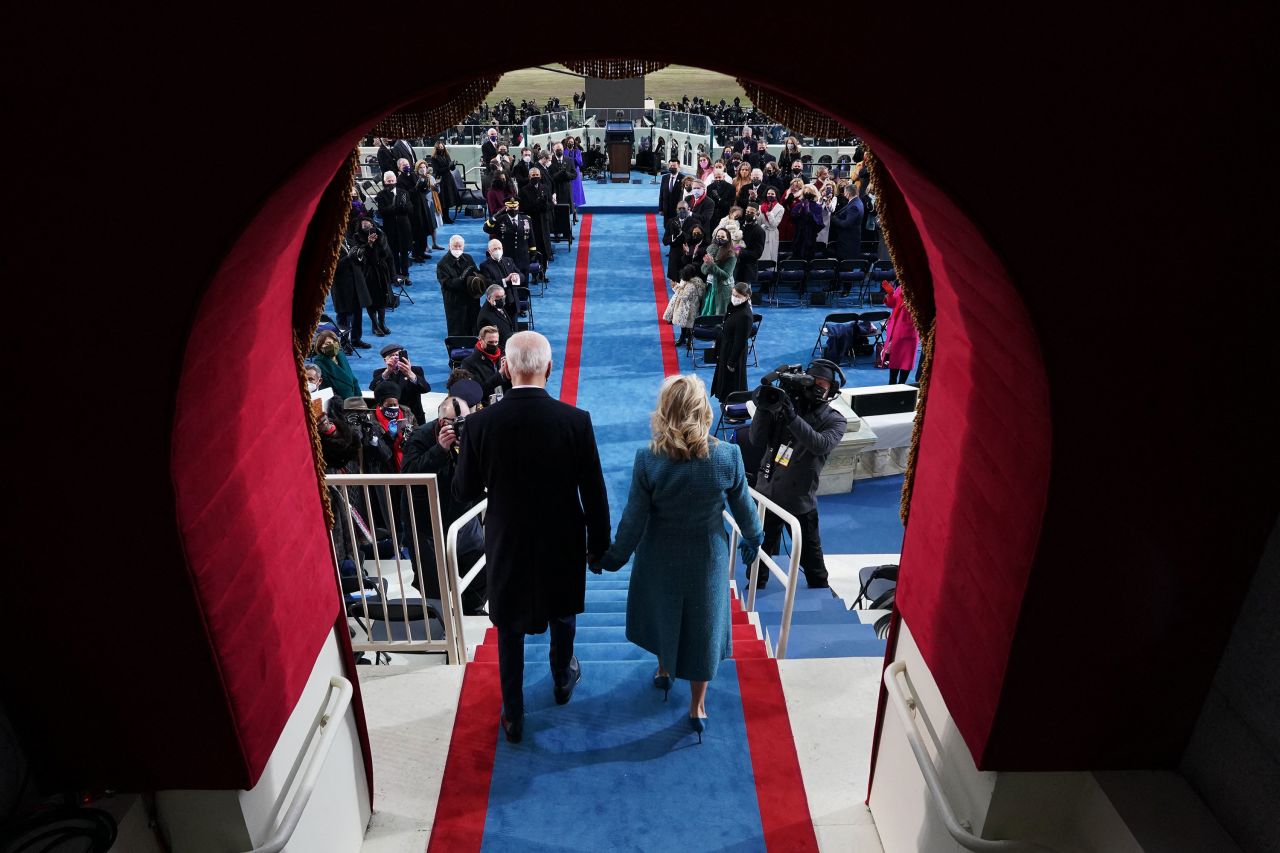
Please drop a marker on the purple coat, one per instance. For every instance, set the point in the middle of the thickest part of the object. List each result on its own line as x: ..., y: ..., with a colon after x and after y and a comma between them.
x: 901, y: 337
x: 579, y: 195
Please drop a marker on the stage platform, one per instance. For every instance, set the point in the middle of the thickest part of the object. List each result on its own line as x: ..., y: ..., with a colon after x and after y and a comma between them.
x: 622, y: 198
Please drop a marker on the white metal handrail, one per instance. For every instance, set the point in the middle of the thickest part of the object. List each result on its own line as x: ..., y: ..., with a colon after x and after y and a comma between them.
x: 460, y: 584
x: 960, y: 830
x: 326, y: 722
x: 451, y: 644
x: 787, y: 578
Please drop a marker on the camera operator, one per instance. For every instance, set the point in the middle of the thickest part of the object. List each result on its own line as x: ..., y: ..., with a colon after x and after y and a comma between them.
x: 434, y: 450
x: 797, y: 429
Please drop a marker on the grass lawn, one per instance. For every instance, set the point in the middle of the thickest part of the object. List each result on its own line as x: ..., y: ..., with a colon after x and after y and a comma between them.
x: 671, y: 83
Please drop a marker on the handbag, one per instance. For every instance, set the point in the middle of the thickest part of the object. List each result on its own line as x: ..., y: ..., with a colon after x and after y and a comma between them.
x: 882, y: 356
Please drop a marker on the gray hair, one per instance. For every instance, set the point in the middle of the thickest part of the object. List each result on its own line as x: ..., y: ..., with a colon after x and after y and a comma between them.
x: 387, y: 174
x: 494, y: 244
x: 458, y: 237
x: 528, y: 354
x: 493, y: 288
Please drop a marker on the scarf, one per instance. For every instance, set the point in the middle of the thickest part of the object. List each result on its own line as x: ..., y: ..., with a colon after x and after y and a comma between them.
x: 493, y: 358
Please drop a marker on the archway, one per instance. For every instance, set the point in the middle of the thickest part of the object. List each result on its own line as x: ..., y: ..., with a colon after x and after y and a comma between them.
x: 975, y: 502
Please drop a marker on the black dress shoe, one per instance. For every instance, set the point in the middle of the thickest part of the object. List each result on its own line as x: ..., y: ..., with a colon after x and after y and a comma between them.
x: 478, y: 611
x: 513, y: 729
x: 564, y: 694
x: 362, y: 345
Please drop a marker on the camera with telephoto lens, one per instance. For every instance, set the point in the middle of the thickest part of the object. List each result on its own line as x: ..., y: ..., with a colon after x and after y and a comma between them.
x: 785, y: 380
x: 459, y: 424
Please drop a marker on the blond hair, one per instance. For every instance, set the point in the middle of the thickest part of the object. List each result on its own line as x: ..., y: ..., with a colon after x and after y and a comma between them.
x: 682, y: 421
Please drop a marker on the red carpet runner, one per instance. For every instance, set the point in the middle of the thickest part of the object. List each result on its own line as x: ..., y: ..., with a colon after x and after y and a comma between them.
x: 577, y: 317
x: 666, y: 340
x: 784, y: 808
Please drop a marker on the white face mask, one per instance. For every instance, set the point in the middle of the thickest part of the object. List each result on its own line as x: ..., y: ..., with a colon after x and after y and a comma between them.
x: 312, y: 387
x: 497, y: 254
x: 737, y: 300
x: 457, y: 253
x: 527, y: 159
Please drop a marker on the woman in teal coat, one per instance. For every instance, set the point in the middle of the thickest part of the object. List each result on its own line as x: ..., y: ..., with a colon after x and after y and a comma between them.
x: 678, y: 602
x: 334, y: 368
x: 717, y: 269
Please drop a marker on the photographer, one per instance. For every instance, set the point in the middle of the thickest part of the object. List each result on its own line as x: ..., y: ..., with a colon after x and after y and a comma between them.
x: 396, y: 422
x: 797, y: 429
x: 434, y: 450
x: 411, y: 379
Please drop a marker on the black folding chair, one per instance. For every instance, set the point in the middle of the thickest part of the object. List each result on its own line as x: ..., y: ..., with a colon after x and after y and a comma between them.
x: 733, y: 414
x: 458, y: 348
x: 820, y: 281
x: 756, y: 320
x: 524, y: 308
x: 877, y: 319
x: 852, y: 277
x: 791, y: 276
x: 706, y: 329
x: 821, y: 343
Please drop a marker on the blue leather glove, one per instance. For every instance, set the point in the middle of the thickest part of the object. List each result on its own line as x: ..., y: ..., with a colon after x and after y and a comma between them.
x: 749, y: 548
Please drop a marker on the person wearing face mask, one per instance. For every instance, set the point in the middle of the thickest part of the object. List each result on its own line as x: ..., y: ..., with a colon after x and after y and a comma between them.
x: 396, y: 422
x: 773, y: 178
x: 396, y: 208
x: 704, y: 172
x: 846, y: 226
x: 314, y: 378
x: 424, y: 214
x: 500, y: 270
x: 410, y: 378
x: 721, y: 193
x: 493, y: 313
x: 350, y: 294
x: 752, y: 246
x: 742, y: 177
x: 334, y: 366
x: 702, y: 208
x: 790, y: 154
x: 563, y: 171
x: 731, y: 348
x: 673, y: 235
x: 514, y: 230
x: 442, y: 166
x: 670, y: 192
x: 434, y: 450
x: 489, y: 149
x: 787, y: 228
x: 488, y: 364
x: 718, y: 265
x: 386, y: 157
x: 760, y: 157
x: 520, y: 169
x: 453, y: 272
x: 376, y: 265
x: 752, y: 191
x: 826, y: 207
x: 535, y: 202
x: 499, y: 191
x: 573, y: 152
x: 807, y: 220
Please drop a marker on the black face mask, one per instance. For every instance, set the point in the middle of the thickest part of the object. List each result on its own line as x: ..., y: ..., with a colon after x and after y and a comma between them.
x: 748, y: 218
x: 491, y: 348
x: 674, y: 170
x: 500, y: 301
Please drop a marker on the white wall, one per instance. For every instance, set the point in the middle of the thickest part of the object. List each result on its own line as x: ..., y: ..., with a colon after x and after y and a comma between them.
x: 336, y: 816
x: 1066, y: 811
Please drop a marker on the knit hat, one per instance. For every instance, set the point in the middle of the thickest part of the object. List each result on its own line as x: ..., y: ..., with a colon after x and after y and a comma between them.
x: 386, y: 389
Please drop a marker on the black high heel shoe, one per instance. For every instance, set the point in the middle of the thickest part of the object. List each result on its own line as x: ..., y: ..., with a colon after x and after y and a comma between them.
x: 699, y: 725
x: 663, y: 683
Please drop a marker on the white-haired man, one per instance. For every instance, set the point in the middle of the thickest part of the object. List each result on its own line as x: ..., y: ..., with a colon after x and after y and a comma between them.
x: 454, y: 272
x: 548, y: 518
x: 500, y: 270
x: 396, y: 208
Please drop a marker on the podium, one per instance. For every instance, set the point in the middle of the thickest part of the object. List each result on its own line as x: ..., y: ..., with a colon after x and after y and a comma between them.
x: 619, y: 142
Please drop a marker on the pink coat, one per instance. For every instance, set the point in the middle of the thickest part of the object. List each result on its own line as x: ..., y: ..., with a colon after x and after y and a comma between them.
x: 901, y: 337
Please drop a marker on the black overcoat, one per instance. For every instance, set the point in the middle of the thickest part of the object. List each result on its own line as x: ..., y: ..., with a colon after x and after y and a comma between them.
x: 547, y: 509
x: 452, y: 274
x: 732, y: 352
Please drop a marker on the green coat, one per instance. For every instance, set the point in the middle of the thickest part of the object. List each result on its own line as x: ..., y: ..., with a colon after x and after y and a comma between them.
x: 719, y: 286
x: 338, y: 375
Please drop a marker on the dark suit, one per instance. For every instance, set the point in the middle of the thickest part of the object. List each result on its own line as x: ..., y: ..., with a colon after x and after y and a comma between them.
x: 547, y: 510
x: 731, y: 361
x: 705, y: 212
x: 460, y: 305
x: 496, y: 317
x: 721, y: 193
x: 515, y: 230
x: 486, y: 373
x: 402, y: 149
x: 744, y: 199
x: 669, y: 195
x: 535, y: 201
x: 488, y: 151
x: 749, y: 256
x: 495, y: 272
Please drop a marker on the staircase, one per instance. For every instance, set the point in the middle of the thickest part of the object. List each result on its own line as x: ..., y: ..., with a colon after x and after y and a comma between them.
x: 822, y: 625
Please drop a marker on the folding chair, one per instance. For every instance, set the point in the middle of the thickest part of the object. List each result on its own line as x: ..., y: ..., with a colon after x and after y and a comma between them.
x: 852, y: 276
x: 881, y: 271
x: 524, y: 309
x: 767, y: 276
x: 791, y: 275
x: 873, y: 583
x: 877, y: 319
x: 821, y: 343
x: 458, y: 348
x: 707, y: 330
x: 756, y: 320
x: 820, y: 281
x: 733, y: 414
x: 538, y: 275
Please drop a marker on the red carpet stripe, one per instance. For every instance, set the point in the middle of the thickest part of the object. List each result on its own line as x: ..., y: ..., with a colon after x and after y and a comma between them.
x: 464, y: 790
x: 666, y: 339
x: 577, y: 317
x: 784, y: 808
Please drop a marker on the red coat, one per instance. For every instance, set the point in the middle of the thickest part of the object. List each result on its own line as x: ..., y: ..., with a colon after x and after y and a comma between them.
x: 901, y: 337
